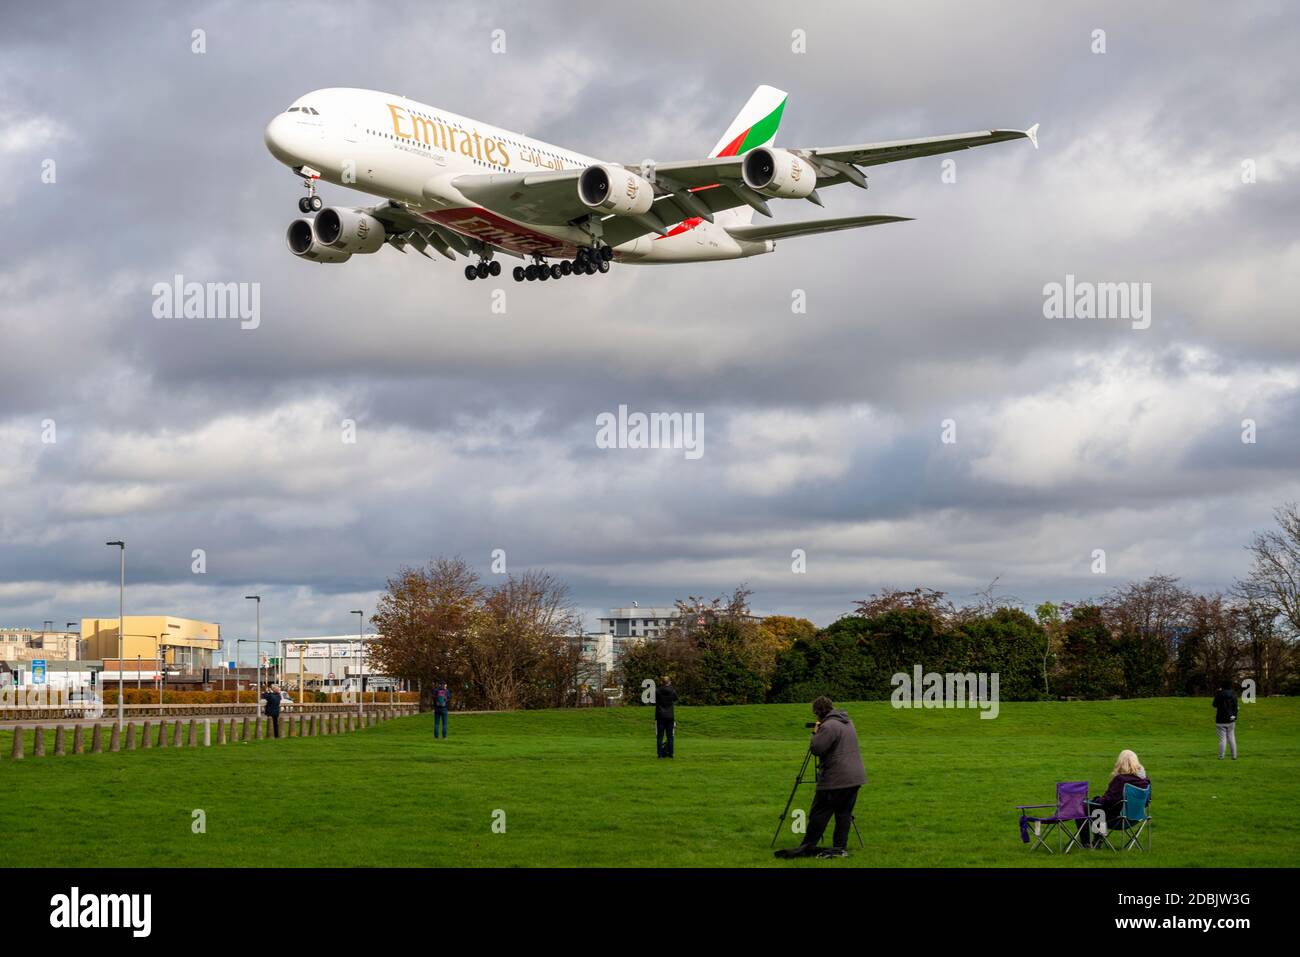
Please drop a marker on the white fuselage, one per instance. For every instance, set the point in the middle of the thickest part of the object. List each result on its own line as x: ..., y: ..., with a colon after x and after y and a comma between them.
x: 407, y: 151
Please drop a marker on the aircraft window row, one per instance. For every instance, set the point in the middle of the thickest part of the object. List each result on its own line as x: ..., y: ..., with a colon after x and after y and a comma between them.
x: 303, y: 109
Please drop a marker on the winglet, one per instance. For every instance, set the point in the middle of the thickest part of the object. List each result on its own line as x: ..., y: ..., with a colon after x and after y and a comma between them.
x: 1032, y: 133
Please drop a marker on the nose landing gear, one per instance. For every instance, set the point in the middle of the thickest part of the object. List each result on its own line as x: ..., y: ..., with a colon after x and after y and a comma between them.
x: 311, y: 203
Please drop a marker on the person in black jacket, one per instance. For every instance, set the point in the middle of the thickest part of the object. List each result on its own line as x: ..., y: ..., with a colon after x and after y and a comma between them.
x: 272, y: 709
x: 1225, y: 718
x: 665, y: 717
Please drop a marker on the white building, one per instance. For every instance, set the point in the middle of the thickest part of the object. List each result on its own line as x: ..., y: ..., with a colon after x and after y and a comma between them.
x: 329, y: 663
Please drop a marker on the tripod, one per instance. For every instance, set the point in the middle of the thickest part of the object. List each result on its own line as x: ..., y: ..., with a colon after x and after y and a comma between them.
x: 798, y: 780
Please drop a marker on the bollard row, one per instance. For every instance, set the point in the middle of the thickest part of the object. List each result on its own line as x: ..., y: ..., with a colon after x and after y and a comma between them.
x: 228, y: 731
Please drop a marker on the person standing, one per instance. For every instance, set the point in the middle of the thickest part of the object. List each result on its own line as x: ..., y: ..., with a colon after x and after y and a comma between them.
x: 441, y: 705
x: 665, y: 716
x: 272, y: 709
x: 1225, y: 718
x: 840, y: 775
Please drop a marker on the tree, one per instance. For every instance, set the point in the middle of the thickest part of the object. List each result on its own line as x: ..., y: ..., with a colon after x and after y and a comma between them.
x: 1089, y: 666
x: 1274, y: 580
x: 522, y: 652
x: 421, y: 620
x: 1148, y: 619
x: 1049, y: 619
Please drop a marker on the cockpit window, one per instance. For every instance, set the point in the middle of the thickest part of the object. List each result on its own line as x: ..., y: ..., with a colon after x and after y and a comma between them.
x: 292, y: 109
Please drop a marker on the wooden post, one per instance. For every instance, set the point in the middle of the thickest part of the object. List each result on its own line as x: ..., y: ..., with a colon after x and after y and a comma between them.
x: 58, y: 742
x: 243, y: 733
x: 78, y: 739
x: 207, y: 732
x: 162, y: 734
x: 38, y: 742
x: 221, y: 731
x: 177, y: 731
x: 115, y: 740
x: 130, y: 735
x: 146, y: 736
x: 193, y: 739
x: 17, y: 751
x: 257, y: 729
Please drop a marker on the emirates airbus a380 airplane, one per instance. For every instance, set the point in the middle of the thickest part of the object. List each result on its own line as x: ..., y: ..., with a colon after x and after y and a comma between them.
x: 465, y: 187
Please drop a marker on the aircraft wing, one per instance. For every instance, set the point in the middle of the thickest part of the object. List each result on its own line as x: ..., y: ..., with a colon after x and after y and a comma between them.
x: 699, y: 187
x: 809, y: 227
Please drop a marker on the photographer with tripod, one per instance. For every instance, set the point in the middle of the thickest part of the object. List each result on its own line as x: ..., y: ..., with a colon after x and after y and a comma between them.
x: 840, y: 774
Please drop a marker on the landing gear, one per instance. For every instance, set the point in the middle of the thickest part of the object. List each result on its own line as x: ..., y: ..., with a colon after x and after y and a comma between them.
x: 519, y: 273
x: 311, y: 203
x: 484, y: 268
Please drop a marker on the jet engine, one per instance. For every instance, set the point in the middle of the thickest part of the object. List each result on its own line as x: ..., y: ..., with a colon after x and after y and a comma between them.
x: 612, y: 189
x: 349, y: 230
x: 302, y: 243
x: 777, y: 173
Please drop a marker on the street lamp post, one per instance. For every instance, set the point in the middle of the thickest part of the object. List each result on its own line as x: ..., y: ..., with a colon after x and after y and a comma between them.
x: 121, y: 602
x: 361, y: 621
x: 257, y: 650
x: 69, y: 627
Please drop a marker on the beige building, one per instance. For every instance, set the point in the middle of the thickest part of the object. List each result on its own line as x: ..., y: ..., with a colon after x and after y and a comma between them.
x: 186, y: 646
x: 30, y: 644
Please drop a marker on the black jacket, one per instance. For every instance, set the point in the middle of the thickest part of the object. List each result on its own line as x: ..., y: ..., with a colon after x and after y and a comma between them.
x: 1225, y: 707
x: 272, y: 699
x: 836, y: 745
x: 665, y: 700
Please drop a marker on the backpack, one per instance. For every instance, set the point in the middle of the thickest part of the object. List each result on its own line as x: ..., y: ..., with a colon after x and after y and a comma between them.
x: 440, y: 699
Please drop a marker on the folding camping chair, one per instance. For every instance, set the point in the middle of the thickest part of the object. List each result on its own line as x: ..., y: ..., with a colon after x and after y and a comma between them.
x: 1135, y: 818
x: 1071, y: 807
x: 1131, y: 822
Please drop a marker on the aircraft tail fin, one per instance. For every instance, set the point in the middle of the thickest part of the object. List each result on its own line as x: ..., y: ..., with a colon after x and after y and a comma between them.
x: 755, y: 125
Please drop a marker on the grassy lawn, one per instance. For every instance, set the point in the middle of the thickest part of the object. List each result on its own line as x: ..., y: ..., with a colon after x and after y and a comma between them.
x: 584, y: 788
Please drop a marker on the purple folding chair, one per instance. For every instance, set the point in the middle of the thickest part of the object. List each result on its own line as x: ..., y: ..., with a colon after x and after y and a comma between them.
x: 1071, y: 807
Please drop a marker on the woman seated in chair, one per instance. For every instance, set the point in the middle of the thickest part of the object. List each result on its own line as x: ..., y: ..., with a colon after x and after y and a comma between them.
x: 1128, y: 770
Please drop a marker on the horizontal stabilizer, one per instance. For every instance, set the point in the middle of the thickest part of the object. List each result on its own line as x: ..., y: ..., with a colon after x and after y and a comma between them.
x: 809, y: 227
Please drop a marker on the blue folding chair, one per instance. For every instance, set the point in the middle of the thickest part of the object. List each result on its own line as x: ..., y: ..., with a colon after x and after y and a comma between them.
x: 1071, y: 807
x: 1132, y: 822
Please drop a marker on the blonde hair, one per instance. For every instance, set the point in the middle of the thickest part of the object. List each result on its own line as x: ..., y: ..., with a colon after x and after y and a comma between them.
x: 1128, y: 763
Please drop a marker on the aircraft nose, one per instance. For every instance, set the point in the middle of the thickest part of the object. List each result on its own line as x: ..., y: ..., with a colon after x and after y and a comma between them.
x: 279, y: 137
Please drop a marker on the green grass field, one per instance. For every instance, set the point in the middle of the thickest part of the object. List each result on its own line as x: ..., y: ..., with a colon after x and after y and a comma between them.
x: 584, y: 788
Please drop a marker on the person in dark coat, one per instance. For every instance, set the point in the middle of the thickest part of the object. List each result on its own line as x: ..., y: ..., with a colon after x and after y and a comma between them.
x: 1225, y: 719
x: 840, y: 775
x: 441, y: 705
x: 272, y: 709
x: 665, y: 717
x: 1128, y: 770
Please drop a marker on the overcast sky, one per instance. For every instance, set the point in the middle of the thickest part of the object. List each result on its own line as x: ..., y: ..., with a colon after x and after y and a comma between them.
x: 823, y: 430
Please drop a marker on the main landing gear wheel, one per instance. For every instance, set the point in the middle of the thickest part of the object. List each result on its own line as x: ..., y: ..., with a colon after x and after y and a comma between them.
x: 494, y: 268
x: 556, y: 271
x: 304, y: 205
x: 603, y: 265
x: 471, y: 272
x: 483, y: 270
x: 606, y: 254
x: 316, y: 203
x: 566, y: 267
x: 519, y: 273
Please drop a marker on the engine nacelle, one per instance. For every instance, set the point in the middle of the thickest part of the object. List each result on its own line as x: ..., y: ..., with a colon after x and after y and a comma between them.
x: 302, y: 243
x: 349, y: 230
x: 777, y: 173
x: 612, y: 189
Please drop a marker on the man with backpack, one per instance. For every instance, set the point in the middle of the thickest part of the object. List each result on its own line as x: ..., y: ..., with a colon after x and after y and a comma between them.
x: 441, y: 705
